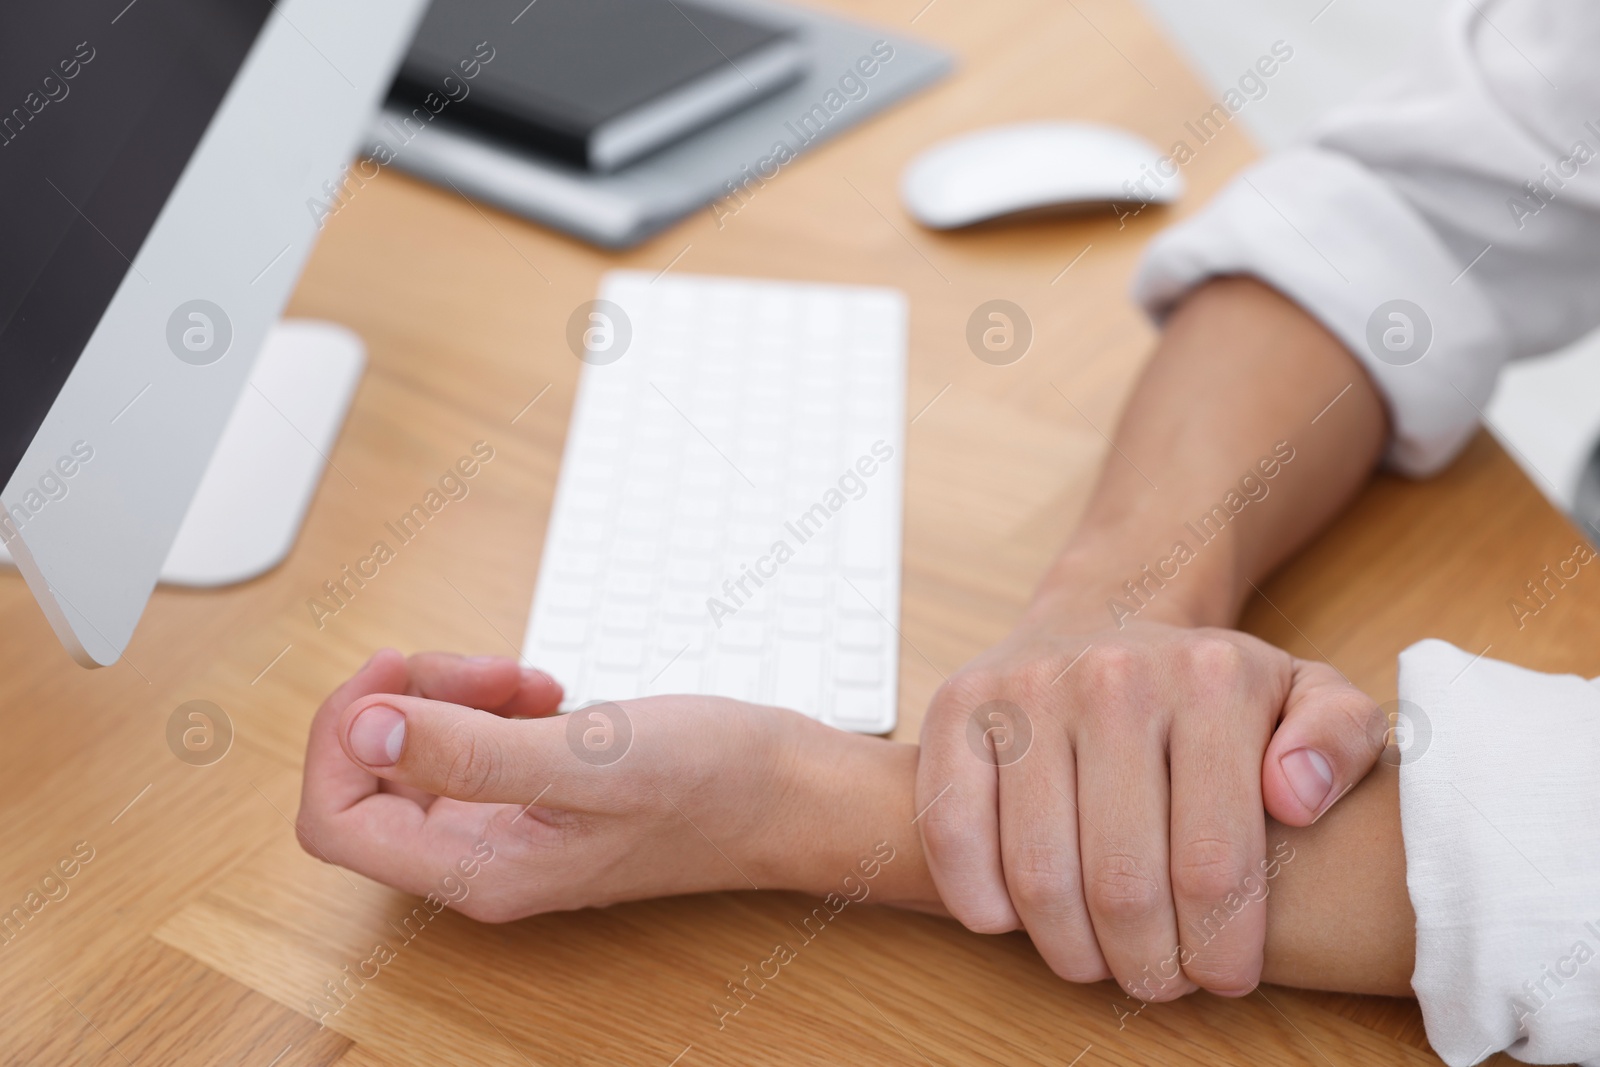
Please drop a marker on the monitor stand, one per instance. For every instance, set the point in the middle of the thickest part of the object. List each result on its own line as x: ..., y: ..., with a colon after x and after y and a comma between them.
x: 267, y: 465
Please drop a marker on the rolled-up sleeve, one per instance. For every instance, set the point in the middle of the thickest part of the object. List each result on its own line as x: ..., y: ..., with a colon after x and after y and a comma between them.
x: 1500, y: 811
x: 1448, y: 225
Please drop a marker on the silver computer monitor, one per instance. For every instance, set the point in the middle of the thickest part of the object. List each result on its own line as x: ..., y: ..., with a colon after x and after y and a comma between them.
x: 158, y: 163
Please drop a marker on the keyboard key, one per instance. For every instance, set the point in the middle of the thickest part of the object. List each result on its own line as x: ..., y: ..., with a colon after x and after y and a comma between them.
x: 703, y: 509
x: 637, y: 553
x: 760, y: 507
x: 690, y: 572
x: 864, y: 546
x: 675, y: 676
x: 624, y: 619
x: 801, y: 622
x: 743, y: 635
x: 707, y: 478
x: 595, y: 473
x: 861, y: 709
x: 636, y: 521
x: 866, y: 598
x: 561, y: 631
x: 851, y: 668
x: 678, y: 640
x: 750, y: 537
x: 862, y: 635
x: 651, y: 489
x: 609, y: 683
x: 623, y: 653
x: 623, y: 585
x: 585, y: 565
x: 804, y: 587
x: 564, y: 597
x: 564, y: 665
x: 584, y: 533
x: 736, y: 675
x: 698, y: 539
x: 589, y: 502
x: 685, y: 607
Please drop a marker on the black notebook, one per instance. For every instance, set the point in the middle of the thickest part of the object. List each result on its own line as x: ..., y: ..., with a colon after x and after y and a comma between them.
x: 597, y: 83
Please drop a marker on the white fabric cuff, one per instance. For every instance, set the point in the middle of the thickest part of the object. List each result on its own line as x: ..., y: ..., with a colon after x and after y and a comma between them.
x: 1335, y: 238
x: 1499, y: 805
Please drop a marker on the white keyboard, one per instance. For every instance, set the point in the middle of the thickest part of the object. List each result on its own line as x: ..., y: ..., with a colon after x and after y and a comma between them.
x: 727, y: 519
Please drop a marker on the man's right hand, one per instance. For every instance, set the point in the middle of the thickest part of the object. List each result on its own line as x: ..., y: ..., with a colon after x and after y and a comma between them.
x: 1105, y: 790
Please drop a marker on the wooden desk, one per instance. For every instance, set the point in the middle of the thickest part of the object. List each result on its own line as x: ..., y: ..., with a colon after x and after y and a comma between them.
x: 198, y: 931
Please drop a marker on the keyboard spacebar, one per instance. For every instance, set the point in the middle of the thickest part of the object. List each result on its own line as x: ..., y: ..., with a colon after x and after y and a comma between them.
x: 798, y: 674
x: 737, y: 675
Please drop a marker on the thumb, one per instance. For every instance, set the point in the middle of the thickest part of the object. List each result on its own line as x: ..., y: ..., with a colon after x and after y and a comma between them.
x: 1328, y: 739
x: 450, y: 750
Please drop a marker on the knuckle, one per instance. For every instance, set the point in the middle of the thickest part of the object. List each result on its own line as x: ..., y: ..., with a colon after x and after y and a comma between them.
x: 1214, y: 659
x: 1043, y: 682
x: 472, y: 767
x: 1111, y: 665
x: 1207, y: 869
x: 965, y: 690
x: 1120, y: 891
x: 1220, y: 973
x: 1043, y: 880
x: 1355, y: 716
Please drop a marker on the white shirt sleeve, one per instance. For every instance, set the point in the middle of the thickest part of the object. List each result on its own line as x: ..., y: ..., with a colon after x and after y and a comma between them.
x: 1500, y: 810
x: 1469, y: 190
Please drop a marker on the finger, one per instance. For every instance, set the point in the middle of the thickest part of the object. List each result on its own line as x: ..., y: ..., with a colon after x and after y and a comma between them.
x: 453, y: 751
x: 958, y: 817
x: 1123, y: 804
x: 1330, y: 736
x: 1039, y: 846
x: 392, y: 840
x: 494, y: 683
x: 1219, y: 832
x: 332, y: 782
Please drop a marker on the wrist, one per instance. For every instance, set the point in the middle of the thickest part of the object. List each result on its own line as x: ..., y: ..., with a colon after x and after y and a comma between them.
x: 837, y: 817
x: 1108, y: 578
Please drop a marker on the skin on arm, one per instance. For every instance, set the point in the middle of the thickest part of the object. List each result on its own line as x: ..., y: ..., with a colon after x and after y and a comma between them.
x: 1140, y: 804
x: 401, y: 783
x: 1239, y: 368
x: 1338, y: 916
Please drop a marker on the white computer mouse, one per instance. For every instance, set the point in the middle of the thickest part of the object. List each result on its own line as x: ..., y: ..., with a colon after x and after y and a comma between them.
x: 1005, y: 169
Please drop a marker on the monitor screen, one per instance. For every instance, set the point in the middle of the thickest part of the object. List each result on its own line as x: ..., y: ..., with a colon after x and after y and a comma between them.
x: 102, y: 102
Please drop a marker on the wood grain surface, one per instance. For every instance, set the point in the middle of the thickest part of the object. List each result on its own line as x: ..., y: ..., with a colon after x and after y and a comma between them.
x: 199, y: 932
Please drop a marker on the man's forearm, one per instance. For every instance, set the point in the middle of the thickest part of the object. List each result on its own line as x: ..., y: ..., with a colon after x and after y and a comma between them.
x: 1338, y: 914
x: 1200, y: 496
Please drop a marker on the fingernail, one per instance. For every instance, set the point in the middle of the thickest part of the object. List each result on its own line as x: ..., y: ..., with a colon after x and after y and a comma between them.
x: 377, y: 735
x: 534, y: 674
x: 1310, y: 776
x: 481, y: 660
